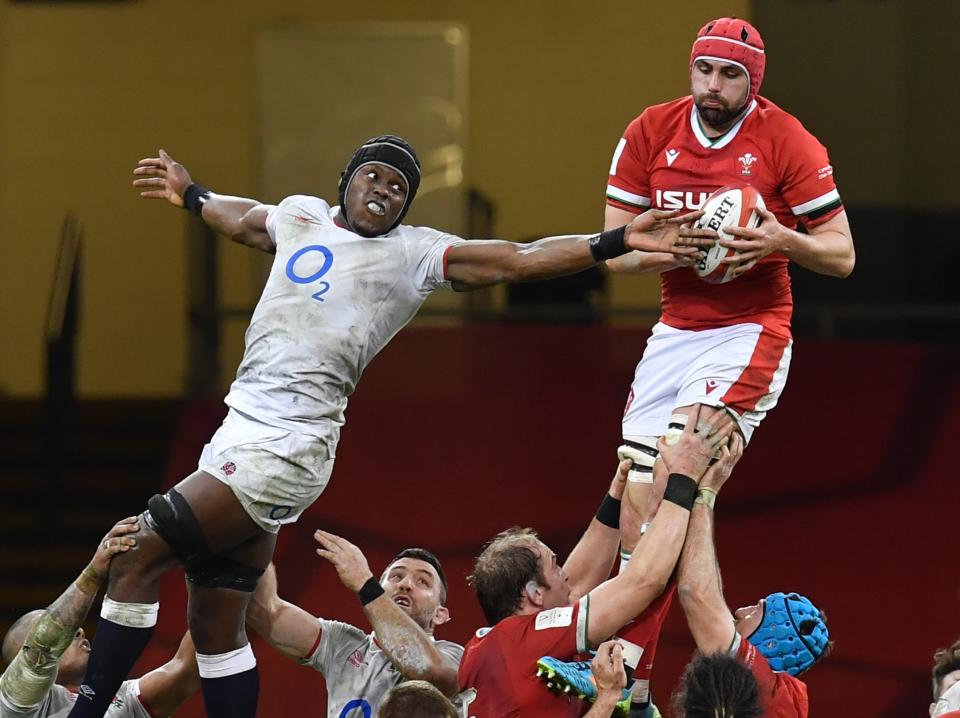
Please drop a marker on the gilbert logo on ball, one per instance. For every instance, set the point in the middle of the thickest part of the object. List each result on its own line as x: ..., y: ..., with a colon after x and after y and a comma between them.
x: 727, y: 207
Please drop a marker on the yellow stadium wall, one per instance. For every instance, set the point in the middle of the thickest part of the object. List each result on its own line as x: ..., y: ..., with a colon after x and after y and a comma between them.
x: 89, y: 88
x: 869, y: 78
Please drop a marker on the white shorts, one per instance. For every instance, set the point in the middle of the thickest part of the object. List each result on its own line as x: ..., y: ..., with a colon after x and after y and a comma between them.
x: 741, y: 367
x: 274, y: 473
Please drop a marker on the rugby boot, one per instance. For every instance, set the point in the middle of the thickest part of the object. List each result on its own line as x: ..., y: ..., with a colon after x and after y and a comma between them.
x: 575, y: 678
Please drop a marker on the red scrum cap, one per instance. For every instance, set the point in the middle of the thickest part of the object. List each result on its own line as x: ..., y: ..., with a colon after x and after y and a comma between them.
x: 736, y: 41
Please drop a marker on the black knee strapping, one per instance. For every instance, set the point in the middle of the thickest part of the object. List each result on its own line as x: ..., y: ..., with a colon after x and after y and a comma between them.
x: 222, y: 572
x: 172, y: 518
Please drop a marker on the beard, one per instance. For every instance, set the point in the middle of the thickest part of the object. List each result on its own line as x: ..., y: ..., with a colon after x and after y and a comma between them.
x: 719, y: 118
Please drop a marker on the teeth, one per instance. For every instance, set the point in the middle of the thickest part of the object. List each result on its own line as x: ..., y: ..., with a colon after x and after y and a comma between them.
x: 375, y: 208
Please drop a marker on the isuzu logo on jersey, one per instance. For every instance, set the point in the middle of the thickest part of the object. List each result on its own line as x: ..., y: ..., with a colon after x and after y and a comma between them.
x: 678, y: 199
x: 746, y: 162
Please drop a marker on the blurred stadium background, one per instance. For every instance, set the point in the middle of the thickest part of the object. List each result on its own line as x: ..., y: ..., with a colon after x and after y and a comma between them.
x: 122, y: 320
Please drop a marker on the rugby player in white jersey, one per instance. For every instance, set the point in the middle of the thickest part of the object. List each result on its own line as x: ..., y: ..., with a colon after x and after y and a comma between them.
x: 45, y: 653
x: 345, y: 280
x: 403, y: 606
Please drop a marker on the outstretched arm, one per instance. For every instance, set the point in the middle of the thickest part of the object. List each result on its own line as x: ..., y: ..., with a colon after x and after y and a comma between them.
x: 243, y: 220
x: 290, y: 630
x: 166, y: 688
x: 480, y: 263
x: 31, y: 674
x: 625, y: 596
x: 699, y: 584
x: 591, y: 560
x: 410, y: 648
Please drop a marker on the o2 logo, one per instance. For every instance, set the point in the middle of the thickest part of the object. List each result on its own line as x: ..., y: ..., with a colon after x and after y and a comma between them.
x: 357, y: 704
x: 316, y: 276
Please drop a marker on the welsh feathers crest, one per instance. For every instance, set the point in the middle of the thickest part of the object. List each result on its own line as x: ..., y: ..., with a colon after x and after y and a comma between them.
x: 746, y: 162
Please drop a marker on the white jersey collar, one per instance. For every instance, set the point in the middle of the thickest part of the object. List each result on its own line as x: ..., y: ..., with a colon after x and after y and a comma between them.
x: 721, y: 142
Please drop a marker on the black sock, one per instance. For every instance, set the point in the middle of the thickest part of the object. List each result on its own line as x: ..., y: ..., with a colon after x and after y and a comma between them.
x: 115, y: 649
x: 232, y: 696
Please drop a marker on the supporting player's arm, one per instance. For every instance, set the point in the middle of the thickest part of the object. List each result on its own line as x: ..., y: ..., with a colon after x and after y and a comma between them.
x: 31, y: 674
x: 591, y: 560
x: 243, y: 220
x: 166, y: 688
x: 411, y: 649
x: 698, y: 583
x: 827, y: 248
x: 625, y: 596
x: 290, y: 630
x: 638, y: 262
x: 481, y: 263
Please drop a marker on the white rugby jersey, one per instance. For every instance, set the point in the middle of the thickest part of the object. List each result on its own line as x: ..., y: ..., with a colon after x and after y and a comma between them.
x: 332, y: 301
x: 358, y: 674
x: 59, y: 702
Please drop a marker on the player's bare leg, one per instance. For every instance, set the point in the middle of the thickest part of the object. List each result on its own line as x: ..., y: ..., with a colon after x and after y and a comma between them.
x: 200, y: 521
x: 644, y: 491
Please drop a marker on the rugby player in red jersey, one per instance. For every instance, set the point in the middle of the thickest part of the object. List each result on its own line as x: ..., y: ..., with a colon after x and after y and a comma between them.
x: 778, y: 638
x: 723, y: 345
x: 537, y: 608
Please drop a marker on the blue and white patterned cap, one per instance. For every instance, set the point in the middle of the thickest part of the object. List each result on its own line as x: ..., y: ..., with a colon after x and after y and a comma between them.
x: 792, y: 635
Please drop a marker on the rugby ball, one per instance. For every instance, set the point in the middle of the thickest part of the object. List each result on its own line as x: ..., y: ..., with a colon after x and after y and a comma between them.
x: 727, y: 207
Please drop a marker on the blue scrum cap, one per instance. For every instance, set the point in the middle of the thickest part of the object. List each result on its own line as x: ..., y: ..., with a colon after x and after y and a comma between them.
x: 792, y: 635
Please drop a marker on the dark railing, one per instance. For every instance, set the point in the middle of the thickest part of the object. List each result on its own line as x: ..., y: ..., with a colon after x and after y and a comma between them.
x: 63, y: 321
x: 205, y: 314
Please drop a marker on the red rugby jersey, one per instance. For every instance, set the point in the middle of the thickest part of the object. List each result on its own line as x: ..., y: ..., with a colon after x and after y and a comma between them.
x: 665, y: 161
x: 783, y: 695
x: 499, y: 665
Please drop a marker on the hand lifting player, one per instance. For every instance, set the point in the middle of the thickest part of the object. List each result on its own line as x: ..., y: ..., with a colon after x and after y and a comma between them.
x: 777, y: 639
x: 46, y: 652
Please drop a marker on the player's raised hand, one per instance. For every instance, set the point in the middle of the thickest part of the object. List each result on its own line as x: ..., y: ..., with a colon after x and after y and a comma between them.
x: 351, y: 564
x: 752, y: 245
x: 607, y: 669
x: 706, y: 431
x: 162, y: 178
x: 718, y: 474
x: 116, y: 541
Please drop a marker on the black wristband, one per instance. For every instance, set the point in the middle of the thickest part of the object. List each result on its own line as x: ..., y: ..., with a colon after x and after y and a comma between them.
x: 370, y: 591
x: 681, y: 490
x: 609, y: 244
x: 194, y: 197
x: 609, y: 512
